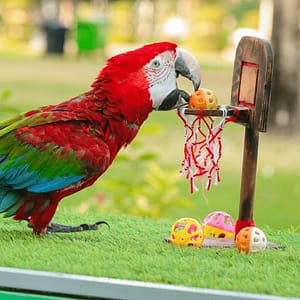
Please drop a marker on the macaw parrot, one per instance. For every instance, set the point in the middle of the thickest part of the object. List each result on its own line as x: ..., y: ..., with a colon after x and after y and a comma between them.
x: 49, y: 153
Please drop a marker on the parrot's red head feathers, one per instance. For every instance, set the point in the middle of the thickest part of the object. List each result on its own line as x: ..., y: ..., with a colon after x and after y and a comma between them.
x: 138, y: 81
x: 131, y: 61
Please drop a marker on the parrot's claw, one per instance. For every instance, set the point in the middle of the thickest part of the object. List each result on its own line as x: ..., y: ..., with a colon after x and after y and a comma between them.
x: 54, y: 227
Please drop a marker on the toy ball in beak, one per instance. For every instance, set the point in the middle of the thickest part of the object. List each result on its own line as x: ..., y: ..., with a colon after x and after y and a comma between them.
x: 203, y: 99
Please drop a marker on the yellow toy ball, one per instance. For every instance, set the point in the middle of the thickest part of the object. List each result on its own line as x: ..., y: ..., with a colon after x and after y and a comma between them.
x: 251, y: 240
x: 187, y: 232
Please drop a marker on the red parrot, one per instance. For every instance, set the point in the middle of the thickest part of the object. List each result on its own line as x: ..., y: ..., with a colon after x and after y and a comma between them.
x: 49, y: 153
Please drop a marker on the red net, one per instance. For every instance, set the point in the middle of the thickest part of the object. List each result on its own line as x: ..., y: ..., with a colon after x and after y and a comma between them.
x: 202, y: 147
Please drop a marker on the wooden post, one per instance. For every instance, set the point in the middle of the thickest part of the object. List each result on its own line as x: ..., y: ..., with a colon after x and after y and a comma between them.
x: 248, y: 174
x: 251, y: 88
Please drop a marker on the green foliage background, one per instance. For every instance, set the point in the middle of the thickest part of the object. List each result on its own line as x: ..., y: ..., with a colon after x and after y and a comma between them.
x: 211, y: 23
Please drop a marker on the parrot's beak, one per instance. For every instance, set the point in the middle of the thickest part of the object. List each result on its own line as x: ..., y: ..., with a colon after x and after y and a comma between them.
x: 187, y: 66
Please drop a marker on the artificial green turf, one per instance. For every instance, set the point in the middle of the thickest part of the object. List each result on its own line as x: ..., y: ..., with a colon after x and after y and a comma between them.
x: 134, y: 249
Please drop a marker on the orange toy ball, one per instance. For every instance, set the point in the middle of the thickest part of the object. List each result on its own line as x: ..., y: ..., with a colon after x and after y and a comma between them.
x: 198, y: 100
x: 251, y: 240
x: 203, y: 99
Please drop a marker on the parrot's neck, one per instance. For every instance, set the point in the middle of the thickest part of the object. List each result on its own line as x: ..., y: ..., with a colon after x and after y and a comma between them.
x: 123, y: 107
x: 119, y: 134
x: 127, y: 97
x: 116, y: 129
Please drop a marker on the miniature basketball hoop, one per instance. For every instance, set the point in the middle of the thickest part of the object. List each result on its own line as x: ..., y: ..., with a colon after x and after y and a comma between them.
x: 250, y: 98
x: 203, y: 144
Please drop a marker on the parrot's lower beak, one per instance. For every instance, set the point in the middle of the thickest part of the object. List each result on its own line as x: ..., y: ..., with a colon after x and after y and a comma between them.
x: 187, y: 66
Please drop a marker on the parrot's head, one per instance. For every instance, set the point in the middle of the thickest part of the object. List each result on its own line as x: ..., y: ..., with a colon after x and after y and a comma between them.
x: 144, y: 79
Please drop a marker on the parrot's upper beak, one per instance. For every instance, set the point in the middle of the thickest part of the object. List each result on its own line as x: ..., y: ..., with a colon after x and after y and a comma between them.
x: 187, y: 66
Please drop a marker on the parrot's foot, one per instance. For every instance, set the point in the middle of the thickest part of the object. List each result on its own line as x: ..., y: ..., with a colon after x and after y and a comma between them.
x: 54, y: 227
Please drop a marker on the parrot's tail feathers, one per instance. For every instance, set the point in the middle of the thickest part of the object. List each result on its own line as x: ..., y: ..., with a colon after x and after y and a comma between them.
x: 13, y: 210
x: 38, y: 209
x: 8, y: 199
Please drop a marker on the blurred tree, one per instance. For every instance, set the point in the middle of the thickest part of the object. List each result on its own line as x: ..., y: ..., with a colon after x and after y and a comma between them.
x: 284, y: 114
x: 143, y: 21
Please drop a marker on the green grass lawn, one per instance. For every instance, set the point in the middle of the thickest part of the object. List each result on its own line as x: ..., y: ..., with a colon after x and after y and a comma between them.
x: 134, y: 247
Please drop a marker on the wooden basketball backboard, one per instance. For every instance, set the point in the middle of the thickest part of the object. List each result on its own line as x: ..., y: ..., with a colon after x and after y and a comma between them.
x: 251, y: 82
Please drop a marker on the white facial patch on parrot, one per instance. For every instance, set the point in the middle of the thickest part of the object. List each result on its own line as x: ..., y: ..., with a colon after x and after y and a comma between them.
x: 161, y: 77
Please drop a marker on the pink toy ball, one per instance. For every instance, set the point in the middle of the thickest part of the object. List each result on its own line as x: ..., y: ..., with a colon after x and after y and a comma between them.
x: 218, y: 224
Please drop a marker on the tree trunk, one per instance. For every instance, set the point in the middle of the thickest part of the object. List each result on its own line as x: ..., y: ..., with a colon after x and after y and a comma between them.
x: 284, y: 110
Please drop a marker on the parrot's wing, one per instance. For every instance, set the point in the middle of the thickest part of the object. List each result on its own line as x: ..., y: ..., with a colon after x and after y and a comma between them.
x: 37, y: 118
x: 39, y: 166
x: 12, y: 120
x: 59, y: 158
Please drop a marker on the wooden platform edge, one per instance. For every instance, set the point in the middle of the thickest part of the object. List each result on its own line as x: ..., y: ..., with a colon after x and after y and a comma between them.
x: 225, y: 243
x: 71, y: 285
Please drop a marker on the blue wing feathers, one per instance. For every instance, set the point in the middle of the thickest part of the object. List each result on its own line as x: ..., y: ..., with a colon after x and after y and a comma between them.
x: 46, y: 185
x: 20, y: 178
x: 24, y: 181
x: 19, y: 175
x: 12, y: 174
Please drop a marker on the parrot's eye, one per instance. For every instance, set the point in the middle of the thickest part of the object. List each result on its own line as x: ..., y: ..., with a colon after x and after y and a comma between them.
x: 156, y: 63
